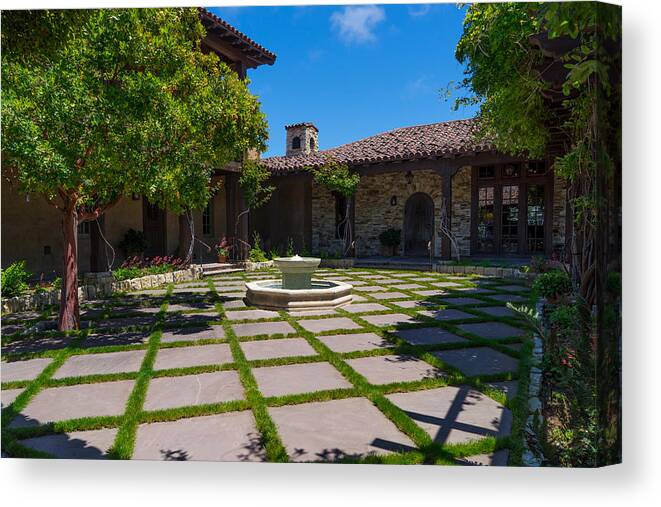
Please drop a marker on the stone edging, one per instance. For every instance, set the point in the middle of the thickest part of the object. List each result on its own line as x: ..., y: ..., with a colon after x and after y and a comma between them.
x: 532, y: 453
x: 256, y: 266
x: 343, y: 263
x: 483, y: 270
x: 98, y: 285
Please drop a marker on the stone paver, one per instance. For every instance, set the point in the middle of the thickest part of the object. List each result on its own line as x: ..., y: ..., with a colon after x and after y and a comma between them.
x: 454, y: 415
x: 101, y: 364
x: 463, y: 301
x: 428, y: 336
x: 192, y: 306
x: 497, y: 311
x: 237, y: 303
x: 263, y: 328
x: 7, y: 396
x: 365, y: 307
x: 298, y: 378
x: 393, y: 368
x: 509, y: 387
x: 449, y: 314
x: 187, y: 390
x: 446, y: 284
x: 251, y: 315
x: 389, y: 295
x: 390, y: 319
x: 330, y: 430
x: 23, y: 370
x: 191, y: 334
x: 73, y: 402
x: 497, y: 459
x: 371, y: 288
x: 512, y: 288
x: 283, y: 347
x: 321, y: 325
x: 478, y: 361
x: 35, y: 344
x: 112, y: 339
x: 74, y: 445
x: 313, y: 313
x: 223, y: 437
x: 430, y: 293
x: 196, y: 355
x: 492, y: 330
x: 508, y: 298
x: 351, y: 342
x: 408, y: 286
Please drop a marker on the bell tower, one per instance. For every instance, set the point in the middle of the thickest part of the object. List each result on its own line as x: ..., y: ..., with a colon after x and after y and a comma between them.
x: 302, y: 139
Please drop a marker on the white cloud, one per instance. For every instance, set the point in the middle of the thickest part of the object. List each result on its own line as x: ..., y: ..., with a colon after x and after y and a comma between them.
x: 419, y: 10
x: 356, y: 23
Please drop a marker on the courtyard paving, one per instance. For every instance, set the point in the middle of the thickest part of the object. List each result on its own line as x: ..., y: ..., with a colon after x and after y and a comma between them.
x: 420, y: 368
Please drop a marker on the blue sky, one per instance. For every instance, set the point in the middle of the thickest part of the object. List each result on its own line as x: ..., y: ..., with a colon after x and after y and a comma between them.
x: 353, y: 71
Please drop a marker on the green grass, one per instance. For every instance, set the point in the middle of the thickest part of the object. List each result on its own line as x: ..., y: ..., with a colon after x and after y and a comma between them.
x: 427, y: 451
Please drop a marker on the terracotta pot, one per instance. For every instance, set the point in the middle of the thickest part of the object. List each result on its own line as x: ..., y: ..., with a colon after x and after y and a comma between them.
x: 222, y: 259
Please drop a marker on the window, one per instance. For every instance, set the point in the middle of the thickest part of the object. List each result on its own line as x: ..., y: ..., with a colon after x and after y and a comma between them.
x: 340, y: 215
x: 312, y: 144
x: 510, y: 219
x: 511, y: 171
x: 485, y: 224
x: 207, y: 220
x: 296, y: 143
x: 536, y: 168
x: 535, y: 218
x: 84, y: 229
x: 486, y: 172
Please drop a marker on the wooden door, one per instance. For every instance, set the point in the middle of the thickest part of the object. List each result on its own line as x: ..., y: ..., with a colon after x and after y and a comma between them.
x: 418, y: 224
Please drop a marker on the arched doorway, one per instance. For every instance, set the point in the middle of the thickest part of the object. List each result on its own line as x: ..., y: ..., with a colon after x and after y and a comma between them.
x: 418, y: 224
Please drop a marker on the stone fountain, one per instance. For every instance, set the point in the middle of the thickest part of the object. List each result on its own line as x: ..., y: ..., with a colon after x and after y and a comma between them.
x: 297, y: 290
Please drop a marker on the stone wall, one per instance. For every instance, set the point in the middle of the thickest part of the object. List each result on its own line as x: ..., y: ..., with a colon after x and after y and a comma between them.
x: 559, y: 211
x: 375, y: 213
x: 323, y: 222
x: 461, y: 209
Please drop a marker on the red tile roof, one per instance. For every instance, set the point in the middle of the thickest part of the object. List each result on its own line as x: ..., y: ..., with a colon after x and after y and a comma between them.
x: 407, y: 143
x: 236, y: 37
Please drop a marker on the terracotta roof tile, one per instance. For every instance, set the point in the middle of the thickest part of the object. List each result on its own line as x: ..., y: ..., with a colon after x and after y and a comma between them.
x: 408, y: 143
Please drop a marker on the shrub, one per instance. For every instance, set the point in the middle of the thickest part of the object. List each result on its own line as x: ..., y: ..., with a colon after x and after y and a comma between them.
x: 552, y: 285
x: 133, y: 243
x: 223, y: 247
x: 391, y: 237
x: 127, y: 273
x: 14, y: 279
x: 135, y: 267
x: 256, y: 253
x: 290, y: 248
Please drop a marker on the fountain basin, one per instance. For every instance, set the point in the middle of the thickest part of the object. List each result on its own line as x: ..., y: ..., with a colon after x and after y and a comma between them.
x: 320, y: 295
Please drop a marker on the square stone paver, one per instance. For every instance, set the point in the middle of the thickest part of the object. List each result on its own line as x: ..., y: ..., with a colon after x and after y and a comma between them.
x: 497, y: 311
x: 496, y: 459
x: 192, y: 306
x: 365, y: 307
x: 512, y: 288
x: 430, y: 293
x: 110, y: 339
x: 321, y: 325
x: 478, y: 361
x: 263, y: 328
x: 454, y: 415
x: 7, y: 396
x: 283, y: 347
x: 73, y: 402
x: 237, y: 303
x: 23, y: 370
x: 389, y: 295
x: 492, y: 330
x: 508, y: 298
x: 101, y: 364
x: 29, y: 344
x: 446, y: 284
x: 449, y: 314
x: 196, y: 355
x: 75, y: 445
x: 351, y: 342
x: 187, y: 390
x: 390, y: 319
x: 428, y: 336
x: 191, y: 334
x: 223, y: 437
x: 298, y: 378
x: 408, y: 286
x: 312, y: 313
x: 413, y: 304
x: 393, y: 368
x: 251, y: 315
x: 331, y: 430
x: 463, y: 301
x: 371, y: 288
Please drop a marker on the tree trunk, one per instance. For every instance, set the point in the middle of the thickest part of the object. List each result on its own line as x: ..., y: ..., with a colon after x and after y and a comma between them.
x: 348, y: 233
x: 69, y: 317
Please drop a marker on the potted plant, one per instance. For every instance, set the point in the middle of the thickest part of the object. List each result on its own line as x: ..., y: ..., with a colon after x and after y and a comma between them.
x: 223, y: 250
x: 133, y: 244
x: 555, y: 286
x: 391, y: 238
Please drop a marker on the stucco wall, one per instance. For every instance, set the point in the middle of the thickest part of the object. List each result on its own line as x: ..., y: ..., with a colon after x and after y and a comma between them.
x: 461, y: 209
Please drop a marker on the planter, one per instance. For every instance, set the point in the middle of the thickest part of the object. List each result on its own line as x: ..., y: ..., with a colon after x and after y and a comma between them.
x: 222, y: 259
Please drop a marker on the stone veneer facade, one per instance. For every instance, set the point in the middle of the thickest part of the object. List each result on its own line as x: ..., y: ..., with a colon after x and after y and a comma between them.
x: 461, y: 209
x: 373, y: 211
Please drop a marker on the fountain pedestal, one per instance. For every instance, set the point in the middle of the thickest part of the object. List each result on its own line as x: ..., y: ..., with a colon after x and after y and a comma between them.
x: 297, y: 271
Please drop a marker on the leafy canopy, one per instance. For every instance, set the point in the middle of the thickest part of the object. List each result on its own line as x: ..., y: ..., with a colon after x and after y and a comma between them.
x: 336, y: 177
x: 101, y: 103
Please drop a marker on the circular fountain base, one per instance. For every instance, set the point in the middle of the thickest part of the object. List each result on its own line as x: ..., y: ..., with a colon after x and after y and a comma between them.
x: 322, y: 295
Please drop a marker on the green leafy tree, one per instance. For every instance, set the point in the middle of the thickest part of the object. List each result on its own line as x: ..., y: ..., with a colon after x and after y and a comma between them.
x: 337, y: 178
x: 523, y: 92
x: 97, y: 104
x: 255, y: 190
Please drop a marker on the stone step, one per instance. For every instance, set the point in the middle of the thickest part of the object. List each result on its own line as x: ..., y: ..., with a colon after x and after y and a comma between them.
x: 217, y: 268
